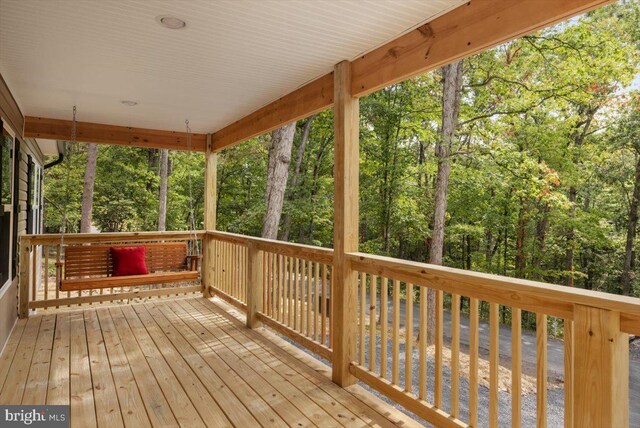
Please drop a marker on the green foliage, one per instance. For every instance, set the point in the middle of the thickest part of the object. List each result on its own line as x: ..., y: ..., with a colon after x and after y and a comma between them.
x: 543, y: 160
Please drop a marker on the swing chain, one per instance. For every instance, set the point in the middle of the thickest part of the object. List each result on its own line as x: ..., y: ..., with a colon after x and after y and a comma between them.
x: 192, y: 217
x: 68, y: 165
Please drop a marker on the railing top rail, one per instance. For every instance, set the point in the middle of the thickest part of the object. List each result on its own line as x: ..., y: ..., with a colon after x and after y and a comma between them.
x: 80, y: 238
x: 529, y: 295
x: 317, y: 254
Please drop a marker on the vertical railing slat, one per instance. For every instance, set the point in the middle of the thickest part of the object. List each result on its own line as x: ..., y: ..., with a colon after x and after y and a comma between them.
x: 455, y: 355
x: 541, y: 370
x: 494, y: 356
x: 373, y: 292
x: 408, y: 358
x: 395, y: 353
x: 516, y: 367
x: 384, y: 313
x: 473, y: 362
x: 422, y: 343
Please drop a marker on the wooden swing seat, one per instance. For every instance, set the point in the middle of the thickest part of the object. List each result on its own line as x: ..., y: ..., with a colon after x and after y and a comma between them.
x: 90, y: 266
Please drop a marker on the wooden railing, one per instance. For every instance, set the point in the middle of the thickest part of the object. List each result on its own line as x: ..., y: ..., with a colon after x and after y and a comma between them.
x: 41, y: 258
x: 288, y: 287
x: 285, y: 286
x: 450, y: 381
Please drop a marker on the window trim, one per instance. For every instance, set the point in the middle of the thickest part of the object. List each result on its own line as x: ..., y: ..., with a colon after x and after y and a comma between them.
x: 8, y: 208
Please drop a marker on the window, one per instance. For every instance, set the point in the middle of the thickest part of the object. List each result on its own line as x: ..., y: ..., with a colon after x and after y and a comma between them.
x: 6, y: 205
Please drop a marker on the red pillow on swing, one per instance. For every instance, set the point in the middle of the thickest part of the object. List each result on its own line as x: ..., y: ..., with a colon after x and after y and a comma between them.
x: 129, y: 261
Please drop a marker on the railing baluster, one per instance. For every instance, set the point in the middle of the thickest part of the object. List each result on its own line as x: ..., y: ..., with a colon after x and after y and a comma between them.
x: 541, y: 370
x: 309, y: 298
x: 316, y: 301
x: 408, y: 346
x: 494, y: 355
x: 568, y: 374
x: 45, y: 271
x: 280, y: 284
x: 384, y: 309
x: 516, y: 367
x: 422, y: 343
x: 303, y: 296
x: 473, y: 362
x: 373, y: 297
x: 455, y: 355
x: 437, y: 393
x: 323, y: 327
x: 296, y: 297
x: 363, y: 299
x: 395, y: 353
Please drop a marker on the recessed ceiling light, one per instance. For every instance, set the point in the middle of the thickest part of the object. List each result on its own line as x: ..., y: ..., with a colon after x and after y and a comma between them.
x: 171, y: 22
x: 129, y: 103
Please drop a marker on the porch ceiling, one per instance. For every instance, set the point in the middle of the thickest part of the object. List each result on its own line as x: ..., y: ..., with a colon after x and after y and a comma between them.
x: 231, y: 59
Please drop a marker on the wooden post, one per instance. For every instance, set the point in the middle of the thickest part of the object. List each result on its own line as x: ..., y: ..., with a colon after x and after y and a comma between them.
x: 601, y: 368
x: 23, y: 290
x: 254, y: 284
x: 210, y: 200
x: 345, y: 224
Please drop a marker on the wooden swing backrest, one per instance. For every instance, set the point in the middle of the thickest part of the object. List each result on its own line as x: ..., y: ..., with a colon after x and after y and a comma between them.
x: 83, y: 261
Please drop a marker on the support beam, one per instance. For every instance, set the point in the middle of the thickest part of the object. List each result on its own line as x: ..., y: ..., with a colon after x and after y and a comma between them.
x: 304, y: 101
x: 210, y: 211
x: 254, y: 284
x: 601, y: 369
x: 24, y: 279
x: 57, y: 129
x: 474, y: 27
x: 345, y: 224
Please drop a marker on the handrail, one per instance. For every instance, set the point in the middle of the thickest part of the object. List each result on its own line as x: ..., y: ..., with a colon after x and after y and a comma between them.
x: 80, y: 238
x: 556, y: 300
x: 318, y: 254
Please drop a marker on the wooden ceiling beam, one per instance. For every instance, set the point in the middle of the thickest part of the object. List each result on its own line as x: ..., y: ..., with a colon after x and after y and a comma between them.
x: 474, y: 27
x: 471, y: 28
x: 56, y: 129
x: 304, y: 101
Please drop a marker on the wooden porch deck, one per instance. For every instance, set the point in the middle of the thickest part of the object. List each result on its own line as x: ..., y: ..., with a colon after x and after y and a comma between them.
x: 175, y: 362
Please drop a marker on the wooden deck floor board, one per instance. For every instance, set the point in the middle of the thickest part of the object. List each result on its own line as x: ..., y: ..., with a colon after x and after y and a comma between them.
x: 58, y: 382
x: 290, y: 392
x: 173, y: 362
x: 15, y: 384
x: 276, y: 400
x: 233, y: 336
x: 81, y: 384
x: 288, y: 368
x: 10, y: 350
x: 216, y: 375
x: 156, y: 345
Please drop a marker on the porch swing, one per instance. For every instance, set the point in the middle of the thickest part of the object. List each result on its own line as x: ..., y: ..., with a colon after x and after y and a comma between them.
x: 87, y: 267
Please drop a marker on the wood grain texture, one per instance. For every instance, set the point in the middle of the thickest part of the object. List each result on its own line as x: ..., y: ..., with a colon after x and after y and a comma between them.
x: 58, y: 129
x: 601, y: 364
x: 345, y: 234
x: 304, y: 101
x: 468, y: 29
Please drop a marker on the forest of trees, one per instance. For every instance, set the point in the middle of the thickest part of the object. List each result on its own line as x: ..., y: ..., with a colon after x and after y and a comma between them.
x: 521, y: 161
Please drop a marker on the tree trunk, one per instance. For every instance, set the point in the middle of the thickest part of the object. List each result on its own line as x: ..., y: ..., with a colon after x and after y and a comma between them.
x: 631, y: 234
x: 277, y: 175
x: 521, y: 236
x: 286, y: 229
x: 87, y: 190
x: 541, y: 237
x: 162, y: 199
x: 451, y: 87
x: 570, y: 238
